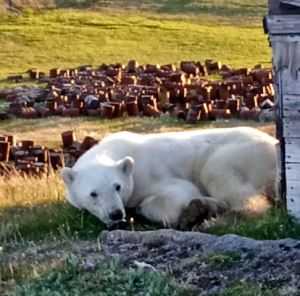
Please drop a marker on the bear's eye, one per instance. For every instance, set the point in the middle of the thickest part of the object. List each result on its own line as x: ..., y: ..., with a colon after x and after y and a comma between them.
x: 117, y: 187
x: 94, y: 194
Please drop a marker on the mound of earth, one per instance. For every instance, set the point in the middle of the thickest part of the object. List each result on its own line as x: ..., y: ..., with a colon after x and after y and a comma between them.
x: 210, y: 263
x: 207, y: 263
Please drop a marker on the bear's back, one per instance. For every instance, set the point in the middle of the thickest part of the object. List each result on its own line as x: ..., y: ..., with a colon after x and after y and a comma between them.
x: 122, y: 144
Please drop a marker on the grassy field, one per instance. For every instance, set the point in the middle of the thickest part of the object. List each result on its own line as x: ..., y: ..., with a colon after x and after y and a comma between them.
x: 34, y: 211
x: 68, y: 38
x: 199, y: 8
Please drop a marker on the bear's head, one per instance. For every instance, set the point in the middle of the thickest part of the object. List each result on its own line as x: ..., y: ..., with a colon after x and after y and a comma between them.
x: 102, y: 189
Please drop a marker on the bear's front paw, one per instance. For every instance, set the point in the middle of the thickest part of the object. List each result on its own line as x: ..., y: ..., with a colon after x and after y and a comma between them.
x: 195, y: 213
x: 215, y: 207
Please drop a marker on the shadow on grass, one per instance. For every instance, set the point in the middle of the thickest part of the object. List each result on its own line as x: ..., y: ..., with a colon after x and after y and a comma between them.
x: 223, y: 8
x: 202, y: 7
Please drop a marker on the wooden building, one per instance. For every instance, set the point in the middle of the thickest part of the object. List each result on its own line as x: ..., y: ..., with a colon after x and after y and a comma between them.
x: 283, y: 26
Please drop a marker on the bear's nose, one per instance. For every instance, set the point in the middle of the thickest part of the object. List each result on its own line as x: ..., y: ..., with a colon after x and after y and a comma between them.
x: 116, y: 215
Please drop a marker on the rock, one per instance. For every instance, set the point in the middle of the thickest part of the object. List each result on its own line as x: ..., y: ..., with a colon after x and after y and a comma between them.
x: 207, y: 263
x: 267, y: 115
x: 210, y: 263
x: 297, y: 267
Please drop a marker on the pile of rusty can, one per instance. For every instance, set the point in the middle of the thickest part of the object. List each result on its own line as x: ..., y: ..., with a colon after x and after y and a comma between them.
x: 184, y: 92
x: 26, y: 157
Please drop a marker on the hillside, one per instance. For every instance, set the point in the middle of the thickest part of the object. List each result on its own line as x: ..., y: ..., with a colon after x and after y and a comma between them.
x: 231, y: 8
x: 98, y: 31
x: 64, y: 38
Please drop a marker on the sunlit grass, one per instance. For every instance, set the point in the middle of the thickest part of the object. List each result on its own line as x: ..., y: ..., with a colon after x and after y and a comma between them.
x: 48, y: 131
x: 231, y: 10
x: 34, y: 210
x: 68, y: 38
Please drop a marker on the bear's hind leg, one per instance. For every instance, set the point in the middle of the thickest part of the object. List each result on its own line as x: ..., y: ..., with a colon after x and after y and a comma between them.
x: 200, y: 210
x: 167, y: 203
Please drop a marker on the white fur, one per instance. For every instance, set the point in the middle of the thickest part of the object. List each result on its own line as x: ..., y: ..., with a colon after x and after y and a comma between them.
x: 161, y: 173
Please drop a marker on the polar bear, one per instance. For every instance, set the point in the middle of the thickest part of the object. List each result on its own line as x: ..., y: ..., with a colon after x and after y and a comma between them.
x: 161, y: 174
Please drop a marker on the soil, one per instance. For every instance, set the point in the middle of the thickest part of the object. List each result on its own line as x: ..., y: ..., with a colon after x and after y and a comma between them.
x: 205, y: 262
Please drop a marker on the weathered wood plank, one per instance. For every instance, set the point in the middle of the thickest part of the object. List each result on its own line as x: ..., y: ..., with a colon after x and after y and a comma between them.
x: 291, y: 128
x: 284, y: 38
x: 291, y: 106
x: 279, y: 178
x: 292, y: 150
x: 276, y: 8
x: 290, y: 86
x: 280, y: 146
x: 283, y: 24
x: 293, y: 187
x: 290, y: 2
x: 293, y: 204
x: 292, y: 172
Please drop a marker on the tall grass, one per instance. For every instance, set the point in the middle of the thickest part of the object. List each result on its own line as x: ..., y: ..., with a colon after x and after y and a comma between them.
x: 35, y: 208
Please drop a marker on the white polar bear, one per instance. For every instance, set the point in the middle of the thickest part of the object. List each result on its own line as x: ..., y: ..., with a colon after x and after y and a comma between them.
x: 160, y: 174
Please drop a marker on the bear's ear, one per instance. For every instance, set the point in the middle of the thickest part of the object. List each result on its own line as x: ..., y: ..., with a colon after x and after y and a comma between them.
x: 67, y: 175
x: 126, y: 165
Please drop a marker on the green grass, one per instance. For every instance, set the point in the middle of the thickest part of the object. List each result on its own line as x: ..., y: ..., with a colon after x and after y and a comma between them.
x: 244, y: 289
x: 3, y: 106
x: 275, y: 224
x: 109, y: 279
x: 105, y: 279
x: 221, y: 259
x: 232, y: 8
x: 68, y: 38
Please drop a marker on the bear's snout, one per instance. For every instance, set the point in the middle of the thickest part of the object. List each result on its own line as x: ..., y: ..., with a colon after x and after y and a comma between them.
x: 116, y: 215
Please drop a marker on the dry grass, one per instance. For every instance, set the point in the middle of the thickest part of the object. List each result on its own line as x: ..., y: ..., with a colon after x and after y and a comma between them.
x: 23, y: 197
x: 48, y: 132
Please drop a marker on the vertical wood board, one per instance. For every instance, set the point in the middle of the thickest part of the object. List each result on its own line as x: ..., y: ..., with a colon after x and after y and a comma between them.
x: 291, y: 128
x: 292, y: 150
x: 292, y: 172
x: 293, y: 205
x: 293, y: 187
x: 291, y: 106
x: 290, y: 86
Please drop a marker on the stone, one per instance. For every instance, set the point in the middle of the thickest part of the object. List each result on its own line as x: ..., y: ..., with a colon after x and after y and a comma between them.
x: 211, y: 263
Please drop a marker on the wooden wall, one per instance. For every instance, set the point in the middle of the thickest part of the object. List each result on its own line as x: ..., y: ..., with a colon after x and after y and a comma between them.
x: 276, y: 7
x: 283, y: 26
x: 289, y: 96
